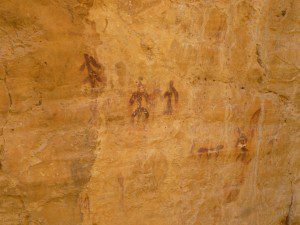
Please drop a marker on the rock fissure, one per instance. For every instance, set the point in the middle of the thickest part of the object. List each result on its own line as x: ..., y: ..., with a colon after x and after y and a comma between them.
x: 289, y: 217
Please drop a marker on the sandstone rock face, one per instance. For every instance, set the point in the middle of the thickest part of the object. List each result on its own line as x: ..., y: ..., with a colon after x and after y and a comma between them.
x: 149, y: 112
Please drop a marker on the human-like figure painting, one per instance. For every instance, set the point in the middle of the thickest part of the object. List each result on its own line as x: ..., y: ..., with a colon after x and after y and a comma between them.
x: 241, y: 143
x: 95, y: 70
x: 169, y: 94
x: 138, y: 97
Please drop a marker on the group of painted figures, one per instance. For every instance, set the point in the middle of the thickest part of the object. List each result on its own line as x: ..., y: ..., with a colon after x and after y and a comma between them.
x: 138, y: 96
x: 96, y: 74
x: 241, y: 145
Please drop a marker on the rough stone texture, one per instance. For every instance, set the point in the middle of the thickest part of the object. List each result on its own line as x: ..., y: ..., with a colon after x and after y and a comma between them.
x: 226, y: 153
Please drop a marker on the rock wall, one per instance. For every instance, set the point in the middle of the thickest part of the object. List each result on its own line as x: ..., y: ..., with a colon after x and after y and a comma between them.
x: 149, y: 112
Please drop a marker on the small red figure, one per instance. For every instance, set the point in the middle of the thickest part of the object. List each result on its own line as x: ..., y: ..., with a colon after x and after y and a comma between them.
x: 93, y: 74
x: 138, y: 97
x: 169, y: 94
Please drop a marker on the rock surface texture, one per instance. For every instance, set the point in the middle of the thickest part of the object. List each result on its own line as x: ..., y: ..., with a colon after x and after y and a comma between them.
x: 149, y: 112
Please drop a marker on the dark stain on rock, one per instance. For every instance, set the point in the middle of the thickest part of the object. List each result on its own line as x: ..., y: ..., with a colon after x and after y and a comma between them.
x: 232, y: 195
x: 246, y: 212
x: 258, y: 56
x: 282, y: 13
x: 80, y: 171
x: 148, y: 48
x: 254, y: 121
x: 255, y: 116
x: 39, y: 103
x: 208, y: 151
x: 120, y: 68
x: 115, y: 118
x: 106, y: 24
x: 121, y: 181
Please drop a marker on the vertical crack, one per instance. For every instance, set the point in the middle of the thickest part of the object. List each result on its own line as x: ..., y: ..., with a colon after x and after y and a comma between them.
x: 6, y: 87
x: 289, y: 216
x: 260, y: 60
x: 8, y: 112
x: 258, y: 56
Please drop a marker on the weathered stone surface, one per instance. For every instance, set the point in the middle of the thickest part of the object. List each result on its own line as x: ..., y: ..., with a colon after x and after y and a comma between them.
x: 93, y: 132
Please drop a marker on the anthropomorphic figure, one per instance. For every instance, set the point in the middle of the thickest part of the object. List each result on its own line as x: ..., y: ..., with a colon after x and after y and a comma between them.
x: 138, y: 97
x: 121, y: 183
x: 242, y: 144
x: 169, y: 94
x: 95, y: 70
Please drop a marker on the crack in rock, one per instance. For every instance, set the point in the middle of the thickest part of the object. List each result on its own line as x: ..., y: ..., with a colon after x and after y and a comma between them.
x: 288, y: 218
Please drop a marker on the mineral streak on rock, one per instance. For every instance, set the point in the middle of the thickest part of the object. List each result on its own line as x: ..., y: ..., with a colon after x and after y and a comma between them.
x: 216, y: 116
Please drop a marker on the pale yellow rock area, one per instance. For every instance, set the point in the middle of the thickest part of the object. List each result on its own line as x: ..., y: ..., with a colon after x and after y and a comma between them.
x: 149, y: 112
